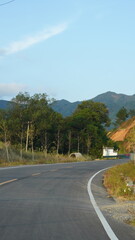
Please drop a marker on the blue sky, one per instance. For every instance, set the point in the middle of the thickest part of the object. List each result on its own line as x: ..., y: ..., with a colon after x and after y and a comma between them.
x: 68, y: 49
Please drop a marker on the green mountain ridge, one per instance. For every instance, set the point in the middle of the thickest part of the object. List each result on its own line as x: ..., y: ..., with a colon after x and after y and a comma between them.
x: 115, y: 102
x: 65, y: 107
x: 5, y: 104
x: 112, y: 100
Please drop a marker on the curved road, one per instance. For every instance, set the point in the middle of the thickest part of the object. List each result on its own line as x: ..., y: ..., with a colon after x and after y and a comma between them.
x: 47, y: 202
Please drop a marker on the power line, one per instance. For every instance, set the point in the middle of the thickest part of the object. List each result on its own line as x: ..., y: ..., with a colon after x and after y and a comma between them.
x: 6, y: 3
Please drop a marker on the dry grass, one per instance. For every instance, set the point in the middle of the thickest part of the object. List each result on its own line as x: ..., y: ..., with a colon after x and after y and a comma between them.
x: 36, y: 158
x: 132, y: 222
x: 115, y: 180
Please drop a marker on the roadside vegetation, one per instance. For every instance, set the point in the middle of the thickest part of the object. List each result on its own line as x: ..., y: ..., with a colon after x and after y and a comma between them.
x: 39, y: 158
x: 29, y: 158
x: 120, y: 181
x: 29, y: 127
x: 120, y: 184
x: 132, y: 222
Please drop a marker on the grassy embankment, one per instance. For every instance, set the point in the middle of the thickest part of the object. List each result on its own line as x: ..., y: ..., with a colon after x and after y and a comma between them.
x: 15, y: 158
x: 120, y: 182
x: 40, y: 159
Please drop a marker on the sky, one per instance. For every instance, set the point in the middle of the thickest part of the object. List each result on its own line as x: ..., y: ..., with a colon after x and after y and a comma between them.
x: 68, y: 49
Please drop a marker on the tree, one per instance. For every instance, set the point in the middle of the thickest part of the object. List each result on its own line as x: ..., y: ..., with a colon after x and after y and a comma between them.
x: 5, y: 130
x: 21, y: 98
x: 56, y: 129
x: 31, y: 124
x: 121, y: 116
x: 132, y: 113
x: 67, y: 131
x: 33, y: 117
x: 38, y: 115
x: 88, y: 123
x: 19, y: 120
x: 96, y: 111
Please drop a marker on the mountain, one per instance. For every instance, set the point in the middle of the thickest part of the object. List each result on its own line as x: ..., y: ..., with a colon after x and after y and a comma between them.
x: 4, y: 104
x: 64, y: 107
x: 112, y: 100
x: 115, y: 101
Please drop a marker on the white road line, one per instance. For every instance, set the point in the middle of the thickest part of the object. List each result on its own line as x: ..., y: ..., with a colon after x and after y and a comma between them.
x: 9, y: 181
x: 103, y: 220
x: 36, y: 174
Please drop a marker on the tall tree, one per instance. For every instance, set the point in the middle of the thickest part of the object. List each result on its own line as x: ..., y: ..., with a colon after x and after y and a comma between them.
x: 89, y: 121
x: 19, y: 120
x: 121, y: 116
x: 4, y: 127
x: 38, y: 112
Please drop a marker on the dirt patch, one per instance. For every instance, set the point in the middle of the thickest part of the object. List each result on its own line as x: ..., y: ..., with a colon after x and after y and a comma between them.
x: 121, y: 133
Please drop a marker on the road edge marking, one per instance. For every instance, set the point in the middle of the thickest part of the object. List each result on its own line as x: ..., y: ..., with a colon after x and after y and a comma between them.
x: 9, y: 181
x: 103, y: 220
x: 36, y: 174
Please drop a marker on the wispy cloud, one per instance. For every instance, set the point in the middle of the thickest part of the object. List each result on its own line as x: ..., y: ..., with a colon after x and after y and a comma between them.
x: 9, y: 90
x: 17, y: 46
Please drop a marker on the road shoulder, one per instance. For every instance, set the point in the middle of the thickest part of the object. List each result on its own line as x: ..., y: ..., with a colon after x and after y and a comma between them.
x: 121, y: 211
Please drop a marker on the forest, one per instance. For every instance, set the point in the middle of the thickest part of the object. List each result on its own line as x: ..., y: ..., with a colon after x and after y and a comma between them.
x: 31, y: 125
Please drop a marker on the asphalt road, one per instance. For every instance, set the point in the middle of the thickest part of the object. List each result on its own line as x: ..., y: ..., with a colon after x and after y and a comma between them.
x: 47, y: 202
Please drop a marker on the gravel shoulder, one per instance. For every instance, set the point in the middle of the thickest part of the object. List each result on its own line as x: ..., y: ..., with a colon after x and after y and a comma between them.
x: 120, y: 210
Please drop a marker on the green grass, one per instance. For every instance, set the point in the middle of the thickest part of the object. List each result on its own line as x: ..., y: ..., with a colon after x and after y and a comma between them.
x: 115, y: 180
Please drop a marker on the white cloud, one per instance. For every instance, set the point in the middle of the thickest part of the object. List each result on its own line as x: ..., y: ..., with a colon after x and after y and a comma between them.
x: 9, y: 90
x: 31, y: 40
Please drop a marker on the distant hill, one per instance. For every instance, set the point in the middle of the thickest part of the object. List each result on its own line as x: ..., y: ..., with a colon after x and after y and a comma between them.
x: 64, y: 107
x: 112, y: 100
x: 115, y: 101
x: 4, y: 104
